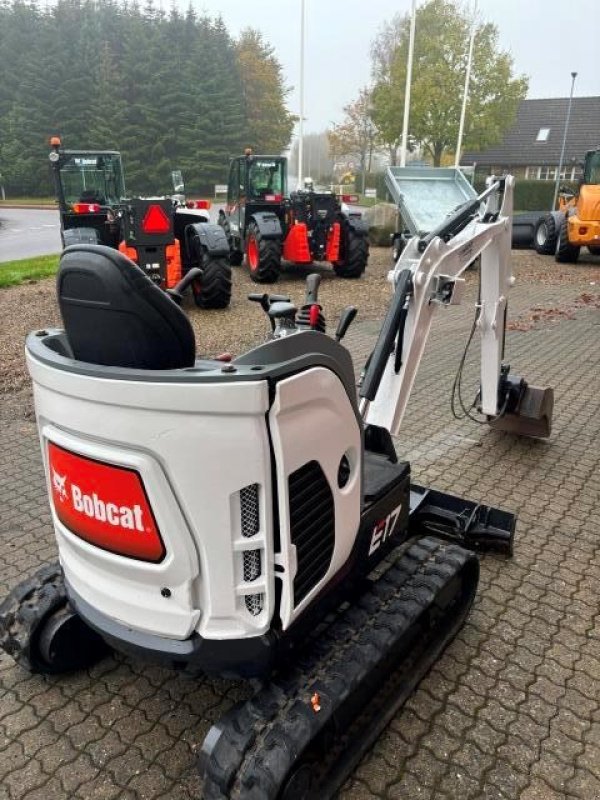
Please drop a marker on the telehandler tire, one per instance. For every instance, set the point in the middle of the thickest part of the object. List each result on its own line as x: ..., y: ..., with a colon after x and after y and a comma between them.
x: 545, y: 235
x: 566, y: 253
x: 236, y: 257
x: 213, y: 290
x: 594, y: 249
x: 263, y: 256
x: 356, y: 255
x: 40, y: 630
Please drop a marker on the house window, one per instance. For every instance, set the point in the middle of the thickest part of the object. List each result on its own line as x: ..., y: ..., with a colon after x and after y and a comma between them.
x: 543, y: 134
x: 531, y: 173
x: 547, y: 173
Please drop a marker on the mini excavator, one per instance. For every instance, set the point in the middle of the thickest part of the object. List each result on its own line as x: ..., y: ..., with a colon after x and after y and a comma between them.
x: 250, y: 517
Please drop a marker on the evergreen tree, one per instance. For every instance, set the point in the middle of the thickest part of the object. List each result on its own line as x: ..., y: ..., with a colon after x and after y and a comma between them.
x: 164, y: 88
x: 270, y: 124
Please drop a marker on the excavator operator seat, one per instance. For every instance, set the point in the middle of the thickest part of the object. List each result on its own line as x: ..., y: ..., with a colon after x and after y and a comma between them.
x: 116, y: 316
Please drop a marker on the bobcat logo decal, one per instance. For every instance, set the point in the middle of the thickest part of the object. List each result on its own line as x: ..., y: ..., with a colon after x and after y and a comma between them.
x: 59, y: 483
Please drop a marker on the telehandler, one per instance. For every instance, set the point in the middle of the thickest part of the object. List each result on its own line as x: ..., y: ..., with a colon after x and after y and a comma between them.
x: 266, y: 225
x: 166, y: 236
x: 250, y: 517
x: 576, y: 223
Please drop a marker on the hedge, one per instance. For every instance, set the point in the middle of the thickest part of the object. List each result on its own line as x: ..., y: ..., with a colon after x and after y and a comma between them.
x: 532, y: 195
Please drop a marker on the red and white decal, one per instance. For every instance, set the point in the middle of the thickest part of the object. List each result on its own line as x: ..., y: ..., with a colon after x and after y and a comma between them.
x: 383, y: 529
x: 103, y: 504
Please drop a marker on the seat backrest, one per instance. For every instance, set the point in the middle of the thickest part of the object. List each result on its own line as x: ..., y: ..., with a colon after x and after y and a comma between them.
x: 116, y: 316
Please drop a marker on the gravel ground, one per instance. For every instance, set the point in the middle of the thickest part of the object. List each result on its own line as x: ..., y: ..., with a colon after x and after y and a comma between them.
x: 31, y: 306
x: 512, y: 709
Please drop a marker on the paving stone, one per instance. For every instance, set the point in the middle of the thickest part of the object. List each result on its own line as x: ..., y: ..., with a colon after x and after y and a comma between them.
x: 511, y: 710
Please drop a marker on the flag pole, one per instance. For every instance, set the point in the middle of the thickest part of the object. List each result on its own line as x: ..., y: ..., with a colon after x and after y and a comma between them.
x: 463, y: 111
x: 409, y: 66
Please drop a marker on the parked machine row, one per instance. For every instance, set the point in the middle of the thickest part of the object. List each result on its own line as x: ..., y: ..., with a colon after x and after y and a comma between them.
x: 169, y: 236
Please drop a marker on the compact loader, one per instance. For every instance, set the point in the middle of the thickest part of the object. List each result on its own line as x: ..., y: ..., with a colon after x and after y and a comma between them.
x: 576, y: 223
x: 165, y: 236
x: 250, y: 517
x: 266, y: 225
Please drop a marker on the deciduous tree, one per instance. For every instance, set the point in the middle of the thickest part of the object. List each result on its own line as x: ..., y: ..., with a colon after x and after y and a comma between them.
x: 356, y: 136
x: 441, y: 47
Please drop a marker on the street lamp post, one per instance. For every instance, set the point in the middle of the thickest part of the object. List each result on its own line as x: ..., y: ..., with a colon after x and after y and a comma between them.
x: 564, y: 142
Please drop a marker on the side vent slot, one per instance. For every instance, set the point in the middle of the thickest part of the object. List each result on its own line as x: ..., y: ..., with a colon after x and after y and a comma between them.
x: 312, y: 524
x: 251, y: 559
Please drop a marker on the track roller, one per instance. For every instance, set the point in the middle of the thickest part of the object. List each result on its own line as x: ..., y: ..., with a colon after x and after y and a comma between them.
x: 40, y: 630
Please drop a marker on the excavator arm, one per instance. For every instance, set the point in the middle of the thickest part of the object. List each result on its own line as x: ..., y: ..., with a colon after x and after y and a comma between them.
x: 427, y: 277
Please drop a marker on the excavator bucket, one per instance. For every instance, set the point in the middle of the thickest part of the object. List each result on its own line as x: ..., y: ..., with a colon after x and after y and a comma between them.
x: 533, y: 415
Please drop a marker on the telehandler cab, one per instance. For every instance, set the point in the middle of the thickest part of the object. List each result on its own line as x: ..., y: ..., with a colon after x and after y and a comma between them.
x: 266, y: 225
x: 576, y: 223
x: 166, y: 236
x: 229, y: 517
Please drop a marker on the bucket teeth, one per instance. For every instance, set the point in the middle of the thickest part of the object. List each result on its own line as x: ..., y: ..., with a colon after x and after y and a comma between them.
x: 532, y: 417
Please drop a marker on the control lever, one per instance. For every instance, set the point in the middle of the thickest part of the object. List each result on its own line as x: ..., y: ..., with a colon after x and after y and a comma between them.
x: 311, y: 316
x: 313, y: 282
x: 266, y: 300
x: 176, y: 293
x: 346, y: 319
x: 283, y: 318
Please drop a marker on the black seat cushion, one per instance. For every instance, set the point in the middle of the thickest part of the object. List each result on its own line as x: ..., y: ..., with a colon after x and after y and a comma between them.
x: 116, y: 316
x: 380, y: 474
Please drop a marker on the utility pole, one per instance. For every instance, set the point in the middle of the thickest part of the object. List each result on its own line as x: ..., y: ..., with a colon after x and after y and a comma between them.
x: 409, y: 66
x: 564, y: 142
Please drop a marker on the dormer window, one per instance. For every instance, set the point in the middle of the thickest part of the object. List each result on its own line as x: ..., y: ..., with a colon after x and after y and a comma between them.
x: 543, y: 134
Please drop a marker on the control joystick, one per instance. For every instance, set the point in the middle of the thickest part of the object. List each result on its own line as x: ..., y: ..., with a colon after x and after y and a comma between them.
x: 310, y: 316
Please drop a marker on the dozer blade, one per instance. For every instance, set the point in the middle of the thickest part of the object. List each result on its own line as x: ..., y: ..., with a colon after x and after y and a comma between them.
x: 302, y: 734
x: 533, y: 416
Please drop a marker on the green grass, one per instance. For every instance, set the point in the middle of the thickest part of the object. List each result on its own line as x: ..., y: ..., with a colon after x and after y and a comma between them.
x: 28, y: 201
x: 12, y: 273
x: 367, y: 201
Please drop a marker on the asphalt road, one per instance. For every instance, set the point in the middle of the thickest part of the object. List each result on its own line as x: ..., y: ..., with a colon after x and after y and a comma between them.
x: 25, y: 233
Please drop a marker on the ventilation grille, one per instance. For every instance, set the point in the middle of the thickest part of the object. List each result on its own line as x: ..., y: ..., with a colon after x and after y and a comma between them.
x: 254, y: 603
x: 249, y: 510
x: 312, y: 523
x: 251, y: 565
x: 251, y: 559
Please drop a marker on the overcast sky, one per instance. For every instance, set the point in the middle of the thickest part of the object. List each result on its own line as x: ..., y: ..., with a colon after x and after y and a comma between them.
x: 547, y: 38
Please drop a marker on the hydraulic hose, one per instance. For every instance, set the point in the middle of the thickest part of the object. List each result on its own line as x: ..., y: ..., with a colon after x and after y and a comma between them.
x: 392, y: 324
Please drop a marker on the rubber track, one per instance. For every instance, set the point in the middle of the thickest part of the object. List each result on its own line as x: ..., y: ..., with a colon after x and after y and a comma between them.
x: 256, y: 745
x: 25, y: 608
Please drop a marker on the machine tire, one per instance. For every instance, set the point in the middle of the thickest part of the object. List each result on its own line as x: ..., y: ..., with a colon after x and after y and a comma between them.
x: 236, y: 257
x: 566, y: 253
x: 545, y: 235
x: 263, y: 256
x: 214, y: 289
x: 41, y: 632
x: 356, y: 255
x: 594, y: 249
